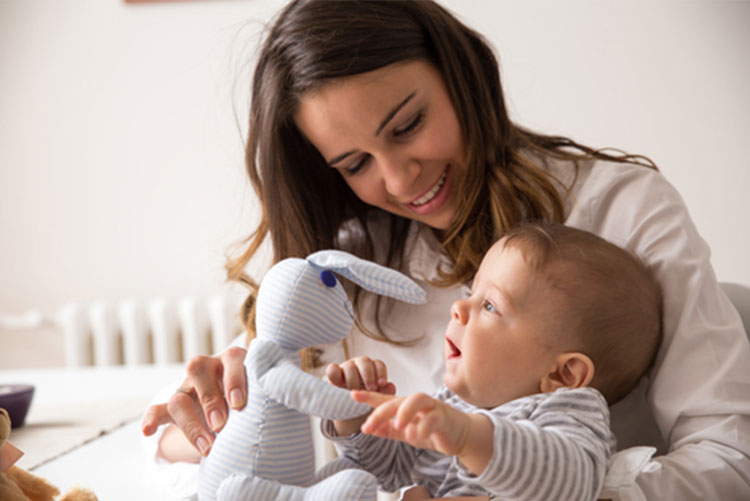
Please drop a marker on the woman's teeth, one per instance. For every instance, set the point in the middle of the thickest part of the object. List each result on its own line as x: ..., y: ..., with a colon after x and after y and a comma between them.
x: 431, y: 194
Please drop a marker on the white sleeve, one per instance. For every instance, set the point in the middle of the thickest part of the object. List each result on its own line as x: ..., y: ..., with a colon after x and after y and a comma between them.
x: 178, y: 479
x: 700, y: 382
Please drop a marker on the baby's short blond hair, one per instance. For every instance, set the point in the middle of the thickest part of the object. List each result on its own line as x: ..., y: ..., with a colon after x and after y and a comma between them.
x: 608, y: 303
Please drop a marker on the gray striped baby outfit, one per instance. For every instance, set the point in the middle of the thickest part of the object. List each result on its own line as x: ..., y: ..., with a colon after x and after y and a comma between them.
x: 546, y: 447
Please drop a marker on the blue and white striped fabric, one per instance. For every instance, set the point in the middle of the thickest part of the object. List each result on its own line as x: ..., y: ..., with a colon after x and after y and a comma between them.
x: 371, y: 276
x: 265, y: 451
x: 546, y: 447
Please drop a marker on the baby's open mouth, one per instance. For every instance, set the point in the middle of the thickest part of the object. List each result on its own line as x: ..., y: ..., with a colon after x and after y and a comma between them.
x: 455, y: 352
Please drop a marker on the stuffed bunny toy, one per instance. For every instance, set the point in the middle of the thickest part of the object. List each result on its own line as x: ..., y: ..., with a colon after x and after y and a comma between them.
x: 265, y: 451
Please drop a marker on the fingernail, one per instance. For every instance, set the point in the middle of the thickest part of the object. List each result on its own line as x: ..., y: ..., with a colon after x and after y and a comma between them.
x: 202, y: 444
x: 216, y: 420
x: 235, y: 399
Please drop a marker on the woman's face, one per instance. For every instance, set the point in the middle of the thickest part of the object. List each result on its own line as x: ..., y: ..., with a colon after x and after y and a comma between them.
x: 394, y: 136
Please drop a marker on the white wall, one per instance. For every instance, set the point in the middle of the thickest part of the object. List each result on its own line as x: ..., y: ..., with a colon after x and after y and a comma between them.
x: 121, y: 160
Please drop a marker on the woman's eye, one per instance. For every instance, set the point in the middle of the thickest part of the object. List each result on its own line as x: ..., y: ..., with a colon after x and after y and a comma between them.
x: 411, y: 126
x: 351, y: 170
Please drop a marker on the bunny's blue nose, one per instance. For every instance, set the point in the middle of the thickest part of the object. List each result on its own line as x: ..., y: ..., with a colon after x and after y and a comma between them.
x: 328, y: 278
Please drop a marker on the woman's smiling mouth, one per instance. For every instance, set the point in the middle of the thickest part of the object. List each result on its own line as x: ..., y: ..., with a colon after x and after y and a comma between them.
x: 434, y: 198
x: 432, y: 192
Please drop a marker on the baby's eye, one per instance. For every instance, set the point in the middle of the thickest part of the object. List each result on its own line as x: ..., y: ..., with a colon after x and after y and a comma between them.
x: 489, y: 307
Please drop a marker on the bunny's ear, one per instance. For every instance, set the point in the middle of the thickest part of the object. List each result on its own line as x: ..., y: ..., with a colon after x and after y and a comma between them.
x: 369, y: 275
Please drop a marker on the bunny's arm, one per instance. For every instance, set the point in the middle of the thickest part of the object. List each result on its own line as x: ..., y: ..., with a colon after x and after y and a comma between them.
x: 289, y: 385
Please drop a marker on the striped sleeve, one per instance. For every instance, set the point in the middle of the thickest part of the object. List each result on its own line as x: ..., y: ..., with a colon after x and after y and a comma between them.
x: 558, y: 451
x: 390, y: 461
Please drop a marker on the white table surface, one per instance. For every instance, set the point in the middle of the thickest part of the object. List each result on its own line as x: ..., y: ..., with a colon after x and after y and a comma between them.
x: 83, y: 428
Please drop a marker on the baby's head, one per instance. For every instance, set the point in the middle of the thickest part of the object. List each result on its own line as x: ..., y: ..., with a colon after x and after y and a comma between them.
x: 553, y: 306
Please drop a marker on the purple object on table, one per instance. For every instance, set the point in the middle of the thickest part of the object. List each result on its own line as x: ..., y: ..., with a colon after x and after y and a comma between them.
x: 16, y: 399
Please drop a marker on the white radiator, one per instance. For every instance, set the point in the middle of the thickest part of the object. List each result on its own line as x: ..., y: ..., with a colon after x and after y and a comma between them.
x: 157, y: 331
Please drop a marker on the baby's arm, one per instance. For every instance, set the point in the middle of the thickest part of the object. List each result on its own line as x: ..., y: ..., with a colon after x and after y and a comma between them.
x: 427, y: 423
x: 358, y: 374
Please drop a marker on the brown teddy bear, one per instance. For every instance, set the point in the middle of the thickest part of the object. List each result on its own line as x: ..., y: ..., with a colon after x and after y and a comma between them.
x: 17, y: 484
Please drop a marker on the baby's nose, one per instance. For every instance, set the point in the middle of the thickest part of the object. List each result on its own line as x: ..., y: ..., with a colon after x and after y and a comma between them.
x: 460, y: 311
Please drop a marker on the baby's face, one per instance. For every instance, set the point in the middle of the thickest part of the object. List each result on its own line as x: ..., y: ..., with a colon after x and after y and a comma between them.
x: 494, y: 345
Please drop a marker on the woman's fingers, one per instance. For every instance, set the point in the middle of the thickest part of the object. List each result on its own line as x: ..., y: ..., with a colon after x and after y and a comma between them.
x: 186, y: 413
x: 235, y: 378
x: 204, y: 376
x: 155, y: 416
x: 199, y: 406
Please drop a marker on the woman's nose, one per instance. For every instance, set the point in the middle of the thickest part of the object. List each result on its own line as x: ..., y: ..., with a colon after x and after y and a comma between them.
x: 398, y: 175
x: 460, y: 311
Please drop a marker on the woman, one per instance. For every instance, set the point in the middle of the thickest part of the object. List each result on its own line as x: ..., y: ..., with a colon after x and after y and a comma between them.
x: 381, y: 128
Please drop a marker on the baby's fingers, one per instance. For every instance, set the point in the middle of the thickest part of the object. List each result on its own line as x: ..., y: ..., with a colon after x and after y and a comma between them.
x: 370, y: 371
x: 385, y: 407
x: 381, y: 373
x: 335, y: 375
x: 410, y: 407
x: 372, y: 398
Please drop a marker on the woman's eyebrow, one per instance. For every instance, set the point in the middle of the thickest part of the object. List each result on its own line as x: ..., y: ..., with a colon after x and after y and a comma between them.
x: 393, y: 112
x: 339, y: 158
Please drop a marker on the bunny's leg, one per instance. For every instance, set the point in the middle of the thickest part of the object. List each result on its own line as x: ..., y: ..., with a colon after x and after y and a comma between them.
x: 334, y: 466
x: 238, y: 487
x: 351, y: 484
x: 347, y: 485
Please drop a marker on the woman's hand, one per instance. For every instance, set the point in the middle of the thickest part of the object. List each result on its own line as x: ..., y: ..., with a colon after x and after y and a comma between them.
x: 199, y: 406
x: 360, y: 373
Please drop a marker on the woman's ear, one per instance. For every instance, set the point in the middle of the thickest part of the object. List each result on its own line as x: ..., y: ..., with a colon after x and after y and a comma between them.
x: 571, y: 370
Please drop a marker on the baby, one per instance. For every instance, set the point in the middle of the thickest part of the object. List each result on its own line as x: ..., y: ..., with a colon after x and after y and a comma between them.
x: 559, y: 324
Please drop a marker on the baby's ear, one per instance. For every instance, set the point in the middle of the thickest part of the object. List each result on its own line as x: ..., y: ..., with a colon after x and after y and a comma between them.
x: 571, y: 370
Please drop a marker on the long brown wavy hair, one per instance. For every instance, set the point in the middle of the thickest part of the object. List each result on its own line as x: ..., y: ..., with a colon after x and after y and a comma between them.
x: 305, y: 203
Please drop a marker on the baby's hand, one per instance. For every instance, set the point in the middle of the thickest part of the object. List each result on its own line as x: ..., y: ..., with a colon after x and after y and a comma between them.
x: 358, y: 374
x: 361, y: 373
x: 427, y: 423
x: 418, y: 419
